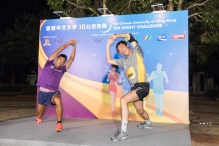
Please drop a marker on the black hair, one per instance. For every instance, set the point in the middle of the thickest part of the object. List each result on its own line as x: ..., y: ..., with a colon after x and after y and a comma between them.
x: 63, y: 55
x: 114, y: 66
x: 120, y: 42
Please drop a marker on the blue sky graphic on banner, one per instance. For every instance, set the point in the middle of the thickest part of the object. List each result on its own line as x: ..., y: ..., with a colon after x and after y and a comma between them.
x: 162, y: 36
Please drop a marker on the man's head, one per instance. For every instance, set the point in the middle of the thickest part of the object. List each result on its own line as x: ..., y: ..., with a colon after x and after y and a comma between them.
x: 114, y: 67
x: 159, y: 66
x: 123, y: 48
x: 60, y: 61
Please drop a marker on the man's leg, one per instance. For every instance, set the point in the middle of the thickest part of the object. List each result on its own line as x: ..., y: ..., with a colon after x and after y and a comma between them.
x: 123, y: 134
x: 139, y: 108
x: 40, y: 111
x: 161, y: 104
x: 130, y: 97
x: 56, y: 99
x: 112, y: 98
x: 156, y: 96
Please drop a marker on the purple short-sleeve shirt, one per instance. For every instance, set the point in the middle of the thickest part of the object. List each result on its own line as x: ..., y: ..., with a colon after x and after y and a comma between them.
x: 51, y: 76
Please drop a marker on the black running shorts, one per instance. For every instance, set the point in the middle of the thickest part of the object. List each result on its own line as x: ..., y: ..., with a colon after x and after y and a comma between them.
x: 142, y: 89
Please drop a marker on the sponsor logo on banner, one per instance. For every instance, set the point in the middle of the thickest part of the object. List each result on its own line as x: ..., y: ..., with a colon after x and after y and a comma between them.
x: 81, y: 41
x: 178, y: 37
x: 97, y: 40
x: 136, y: 38
x: 59, y: 41
x: 147, y: 38
x: 46, y: 42
x: 162, y: 37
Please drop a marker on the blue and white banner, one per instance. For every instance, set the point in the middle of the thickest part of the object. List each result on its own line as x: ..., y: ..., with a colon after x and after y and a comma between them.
x: 164, y: 39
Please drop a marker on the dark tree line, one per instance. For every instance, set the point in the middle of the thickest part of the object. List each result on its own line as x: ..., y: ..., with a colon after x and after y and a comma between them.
x: 19, y: 42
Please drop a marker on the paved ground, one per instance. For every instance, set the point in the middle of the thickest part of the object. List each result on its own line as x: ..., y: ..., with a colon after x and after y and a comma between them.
x: 204, y: 116
x: 204, y: 121
x: 15, y: 107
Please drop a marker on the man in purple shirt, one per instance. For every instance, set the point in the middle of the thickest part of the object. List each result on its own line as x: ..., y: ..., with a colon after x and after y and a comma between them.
x: 49, y: 82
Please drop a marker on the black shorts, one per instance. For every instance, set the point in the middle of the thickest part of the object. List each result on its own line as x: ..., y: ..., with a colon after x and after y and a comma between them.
x: 142, y: 89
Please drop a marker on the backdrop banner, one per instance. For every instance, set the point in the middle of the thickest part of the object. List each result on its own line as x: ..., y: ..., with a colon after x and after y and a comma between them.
x: 86, y: 87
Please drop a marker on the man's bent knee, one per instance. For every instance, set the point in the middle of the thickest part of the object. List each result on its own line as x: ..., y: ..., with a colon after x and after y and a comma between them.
x: 56, y: 99
x: 123, y: 101
x: 140, y: 111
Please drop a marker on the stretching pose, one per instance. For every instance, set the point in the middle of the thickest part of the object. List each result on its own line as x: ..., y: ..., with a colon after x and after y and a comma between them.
x: 134, y: 67
x: 49, y: 80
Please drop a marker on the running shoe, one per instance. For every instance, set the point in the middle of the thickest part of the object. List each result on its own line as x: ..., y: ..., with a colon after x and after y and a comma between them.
x: 59, y: 127
x: 38, y: 120
x: 119, y: 135
x: 145, y: 126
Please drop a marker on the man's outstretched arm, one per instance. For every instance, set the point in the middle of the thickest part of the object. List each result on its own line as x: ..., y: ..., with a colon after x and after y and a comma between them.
x: 72, y: 56
x: 108, y: 55
x: 56, y: 53
x: 129, y: 37
x: 152, y: 76
x: 165, y: 76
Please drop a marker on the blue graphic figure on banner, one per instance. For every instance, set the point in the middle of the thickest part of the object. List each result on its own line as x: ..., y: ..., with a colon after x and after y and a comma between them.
x: 158, y: 88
